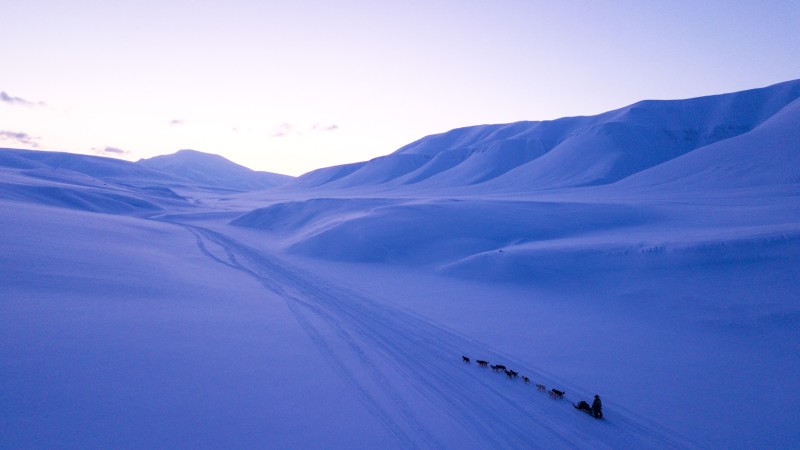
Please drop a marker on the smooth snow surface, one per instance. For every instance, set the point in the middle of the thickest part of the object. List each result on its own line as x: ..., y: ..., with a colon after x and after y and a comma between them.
x: 650, y: 255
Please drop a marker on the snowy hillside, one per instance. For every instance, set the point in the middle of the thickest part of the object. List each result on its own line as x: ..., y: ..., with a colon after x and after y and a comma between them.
x: 650, y: 255
x: 85, y: 182
x: 769, y: 155
x: 43, y: 164
x: 114, y: 186
x: 213, y: 170
x: 576, y: 151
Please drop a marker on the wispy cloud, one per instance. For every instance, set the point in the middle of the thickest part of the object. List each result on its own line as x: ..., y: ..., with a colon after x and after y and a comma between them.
x: 19, y: 137
x: 12, y: 100
x: 177, y: 122
x: 281, y: 130
x: 322, y: 127
x: 114, y: 150
x: 287, y: 129
x: 109, y: 151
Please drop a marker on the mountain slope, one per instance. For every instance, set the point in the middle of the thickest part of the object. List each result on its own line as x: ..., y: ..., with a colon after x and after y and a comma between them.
x: 108, y: 185
x: 569, y: 152
x: 93, y: 166
x: 82, y: 182
x: 766, y: 156
x: 213, y: 170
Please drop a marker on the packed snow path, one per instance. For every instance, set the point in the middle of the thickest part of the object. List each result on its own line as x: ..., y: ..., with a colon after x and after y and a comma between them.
x: 408, y: 371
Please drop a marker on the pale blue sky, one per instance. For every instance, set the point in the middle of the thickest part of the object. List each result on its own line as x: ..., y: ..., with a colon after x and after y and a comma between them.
x: 292, y: 86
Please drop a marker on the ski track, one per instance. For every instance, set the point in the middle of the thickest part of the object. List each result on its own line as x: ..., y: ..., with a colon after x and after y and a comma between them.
x: 362, y: 339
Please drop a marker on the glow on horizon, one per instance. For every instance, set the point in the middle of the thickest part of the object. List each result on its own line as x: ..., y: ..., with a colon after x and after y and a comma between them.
x: 289, y: 87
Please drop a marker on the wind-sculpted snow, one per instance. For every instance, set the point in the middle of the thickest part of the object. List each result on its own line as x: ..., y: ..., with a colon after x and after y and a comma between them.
x: 549, y: 261
x: 308, y: 215
x: 82, y: 199
x: 75, y: 191
x: 569, y: 152
x: 430, y: 231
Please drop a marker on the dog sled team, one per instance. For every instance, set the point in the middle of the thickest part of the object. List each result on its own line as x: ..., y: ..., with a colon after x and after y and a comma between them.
x: 595, y: 409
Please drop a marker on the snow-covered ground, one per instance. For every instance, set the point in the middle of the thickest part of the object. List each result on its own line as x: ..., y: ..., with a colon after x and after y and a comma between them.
x: 143, y: 308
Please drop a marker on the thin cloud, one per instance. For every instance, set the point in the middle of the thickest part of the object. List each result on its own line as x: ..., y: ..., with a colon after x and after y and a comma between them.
x: 281, y: 130
x: 177, y: 122
x: 109, y: 151
x: 114, y: 150
x: 287, y: 129
x: 19, y: 137
x: 322, y: 128
x: 12, y: 100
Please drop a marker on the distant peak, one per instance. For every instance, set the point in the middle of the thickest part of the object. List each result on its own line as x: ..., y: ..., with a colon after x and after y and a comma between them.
x: 197, y: 153
x: 210, y: 169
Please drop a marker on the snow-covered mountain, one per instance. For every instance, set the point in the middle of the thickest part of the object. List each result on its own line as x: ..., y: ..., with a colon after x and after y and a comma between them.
x: 768, y: 155
x: 569, y: 152
x: 110, y: 185
x: 52, y: 164
x: 213, y: 170
x: 84, y: 182
x: 743, y: 140
x: 649, y: 254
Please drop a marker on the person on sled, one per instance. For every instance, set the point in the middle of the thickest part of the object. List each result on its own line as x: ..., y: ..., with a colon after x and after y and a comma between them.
x: 597, y: 407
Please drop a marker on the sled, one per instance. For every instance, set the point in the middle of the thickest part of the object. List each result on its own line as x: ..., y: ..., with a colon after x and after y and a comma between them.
x: 587, y: 411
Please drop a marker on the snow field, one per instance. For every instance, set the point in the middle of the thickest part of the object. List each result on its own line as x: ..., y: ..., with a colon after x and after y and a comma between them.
x: 649, y: 254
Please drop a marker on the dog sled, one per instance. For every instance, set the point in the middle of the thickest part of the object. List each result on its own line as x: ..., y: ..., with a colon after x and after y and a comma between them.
x: 584, y: 407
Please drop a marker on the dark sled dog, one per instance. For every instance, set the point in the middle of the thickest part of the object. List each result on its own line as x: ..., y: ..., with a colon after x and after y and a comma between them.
x: 556, y: 394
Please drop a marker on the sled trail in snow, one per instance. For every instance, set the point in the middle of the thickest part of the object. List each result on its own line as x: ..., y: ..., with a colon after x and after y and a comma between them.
x: 408, y: 371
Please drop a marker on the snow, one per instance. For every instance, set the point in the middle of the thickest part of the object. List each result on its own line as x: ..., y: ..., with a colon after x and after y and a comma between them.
x: 767, y: 155
x: 569, y: 152
x: 213, y: 170
x: 649, y: 254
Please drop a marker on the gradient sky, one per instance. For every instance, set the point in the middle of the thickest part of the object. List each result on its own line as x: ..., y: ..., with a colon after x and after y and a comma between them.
x: 291, y: 86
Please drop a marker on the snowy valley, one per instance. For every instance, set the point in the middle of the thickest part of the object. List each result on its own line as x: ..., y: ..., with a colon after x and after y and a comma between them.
x: 650, y: 255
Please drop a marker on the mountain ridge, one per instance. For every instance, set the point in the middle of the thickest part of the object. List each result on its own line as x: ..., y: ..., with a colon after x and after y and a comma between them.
x: 213, y: 170
x: 115, y: 186
x: 566, y: 152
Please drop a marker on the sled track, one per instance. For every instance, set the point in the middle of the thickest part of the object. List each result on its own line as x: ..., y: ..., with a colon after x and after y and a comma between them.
x: 375, y: 348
